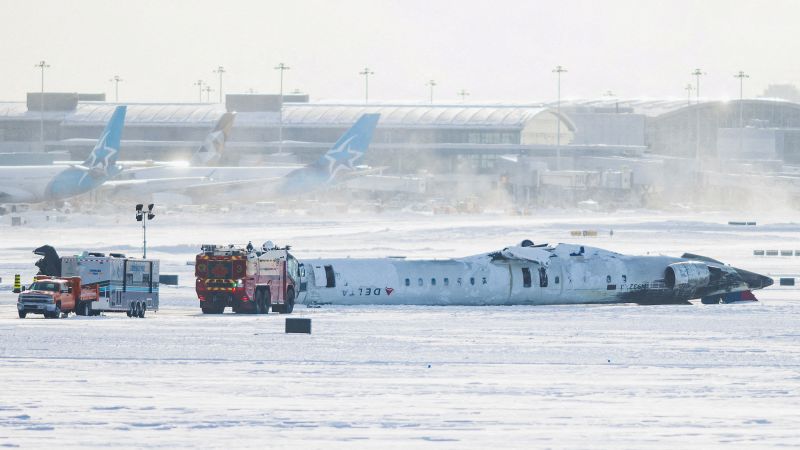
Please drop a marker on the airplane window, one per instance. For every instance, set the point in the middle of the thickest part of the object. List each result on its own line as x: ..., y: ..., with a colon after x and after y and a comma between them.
x: 446, y: 281
x: 557, y: 280
x: 526, y: 277
x: 608, y: 278
x: 483, y: 280
x: 458, y: 281
x: 542, y: 277
x: 433, y: 281
x: 420, y: 282
x: 408, y: 282
x: 472, y: 281
x: 624, y: 278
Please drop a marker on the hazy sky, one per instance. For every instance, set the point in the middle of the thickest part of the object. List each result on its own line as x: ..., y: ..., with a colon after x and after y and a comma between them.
x: 496, y: 50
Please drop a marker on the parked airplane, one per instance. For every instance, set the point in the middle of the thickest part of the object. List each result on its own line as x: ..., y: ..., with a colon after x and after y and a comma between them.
x: 340, y: 161
x: 33, y: 184
x: 527, y: 274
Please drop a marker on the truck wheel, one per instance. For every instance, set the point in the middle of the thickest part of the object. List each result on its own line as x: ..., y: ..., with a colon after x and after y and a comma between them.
x: 142, y: 310
x: 288, y: 302
x: 259, y: 301
x: 22, y: 314
x: 267, y: 300
x: 57, y: 313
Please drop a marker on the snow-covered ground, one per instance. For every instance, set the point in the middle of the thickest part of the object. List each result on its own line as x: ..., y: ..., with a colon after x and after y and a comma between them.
x: 398, y: 377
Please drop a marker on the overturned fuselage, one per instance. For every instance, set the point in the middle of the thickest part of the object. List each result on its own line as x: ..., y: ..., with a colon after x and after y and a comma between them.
x: 527, y: 275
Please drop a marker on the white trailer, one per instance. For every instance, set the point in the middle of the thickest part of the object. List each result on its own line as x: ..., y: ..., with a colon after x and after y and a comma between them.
x: 124, y: 284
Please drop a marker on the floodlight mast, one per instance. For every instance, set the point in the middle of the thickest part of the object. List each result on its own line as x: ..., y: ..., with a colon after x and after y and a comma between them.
x: 366, y: 73
x: 219, y: 71
x: 558, y: 71
x: 116, y: 79
x: 282, y: 68
x: 144, y: 216
x: 42, y: 65
x: 741, y: 76
x: 199, y: 84
x: 697, y: 74
x: 431, y: 84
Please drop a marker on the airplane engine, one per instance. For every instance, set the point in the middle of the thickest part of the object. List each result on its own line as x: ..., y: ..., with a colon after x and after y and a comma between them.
x: 689, y: 275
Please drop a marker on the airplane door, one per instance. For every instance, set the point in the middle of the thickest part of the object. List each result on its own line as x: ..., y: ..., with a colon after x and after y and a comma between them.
x: 319, y: 276
x: 524, y: 284
x: 549, y: 281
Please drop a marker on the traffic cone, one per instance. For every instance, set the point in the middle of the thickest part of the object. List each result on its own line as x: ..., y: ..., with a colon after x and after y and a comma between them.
x: 17, y: 284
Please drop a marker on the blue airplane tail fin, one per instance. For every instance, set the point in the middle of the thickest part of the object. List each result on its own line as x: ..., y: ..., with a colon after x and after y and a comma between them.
x: 104, y: 155
x: 349, y: 150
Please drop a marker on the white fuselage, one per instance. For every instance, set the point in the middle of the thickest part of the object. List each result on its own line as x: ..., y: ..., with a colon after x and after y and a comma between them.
x: 26, y: 184
x: 213, y: 174
x: 567, y: 274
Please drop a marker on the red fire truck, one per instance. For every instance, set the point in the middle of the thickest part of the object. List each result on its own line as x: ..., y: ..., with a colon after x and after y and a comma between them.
x: 245, y: 279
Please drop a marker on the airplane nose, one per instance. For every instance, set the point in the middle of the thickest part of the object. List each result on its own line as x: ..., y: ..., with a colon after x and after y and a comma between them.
x: 755, y: 280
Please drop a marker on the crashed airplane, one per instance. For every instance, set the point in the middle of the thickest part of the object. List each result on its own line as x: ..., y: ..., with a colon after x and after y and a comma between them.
x: 527, y: 274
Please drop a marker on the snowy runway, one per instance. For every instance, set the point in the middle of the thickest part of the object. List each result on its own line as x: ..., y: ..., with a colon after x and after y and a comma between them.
x: 398, y: 377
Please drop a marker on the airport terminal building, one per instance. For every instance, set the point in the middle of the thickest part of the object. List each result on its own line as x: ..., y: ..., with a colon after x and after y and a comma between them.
x: 525, y: 147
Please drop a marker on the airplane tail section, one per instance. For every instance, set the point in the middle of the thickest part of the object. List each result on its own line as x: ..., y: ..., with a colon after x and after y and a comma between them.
x: 103, y: 159
x: 349, y: 150
x: 211, y: 151
x: 344, y: 156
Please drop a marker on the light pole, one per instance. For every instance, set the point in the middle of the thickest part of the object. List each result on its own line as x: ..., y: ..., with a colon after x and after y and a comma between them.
x: 219, y: 70
x: 144, y: 216
x: 281, y: 68
x: 366, y: 72
x: 42, y: 65
x: 697, y: 74
x: 208, y: 90
x: 116, y: 79
x: 432, y: 84
x: 741, y: 76
x: 689, y: 88
x: 558, y: 71
x: 463, y: 94
x: 199, y: 84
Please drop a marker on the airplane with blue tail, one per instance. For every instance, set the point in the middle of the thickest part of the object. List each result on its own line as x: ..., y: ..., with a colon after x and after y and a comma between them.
x: 342, y: 161
x: 35, y: 184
